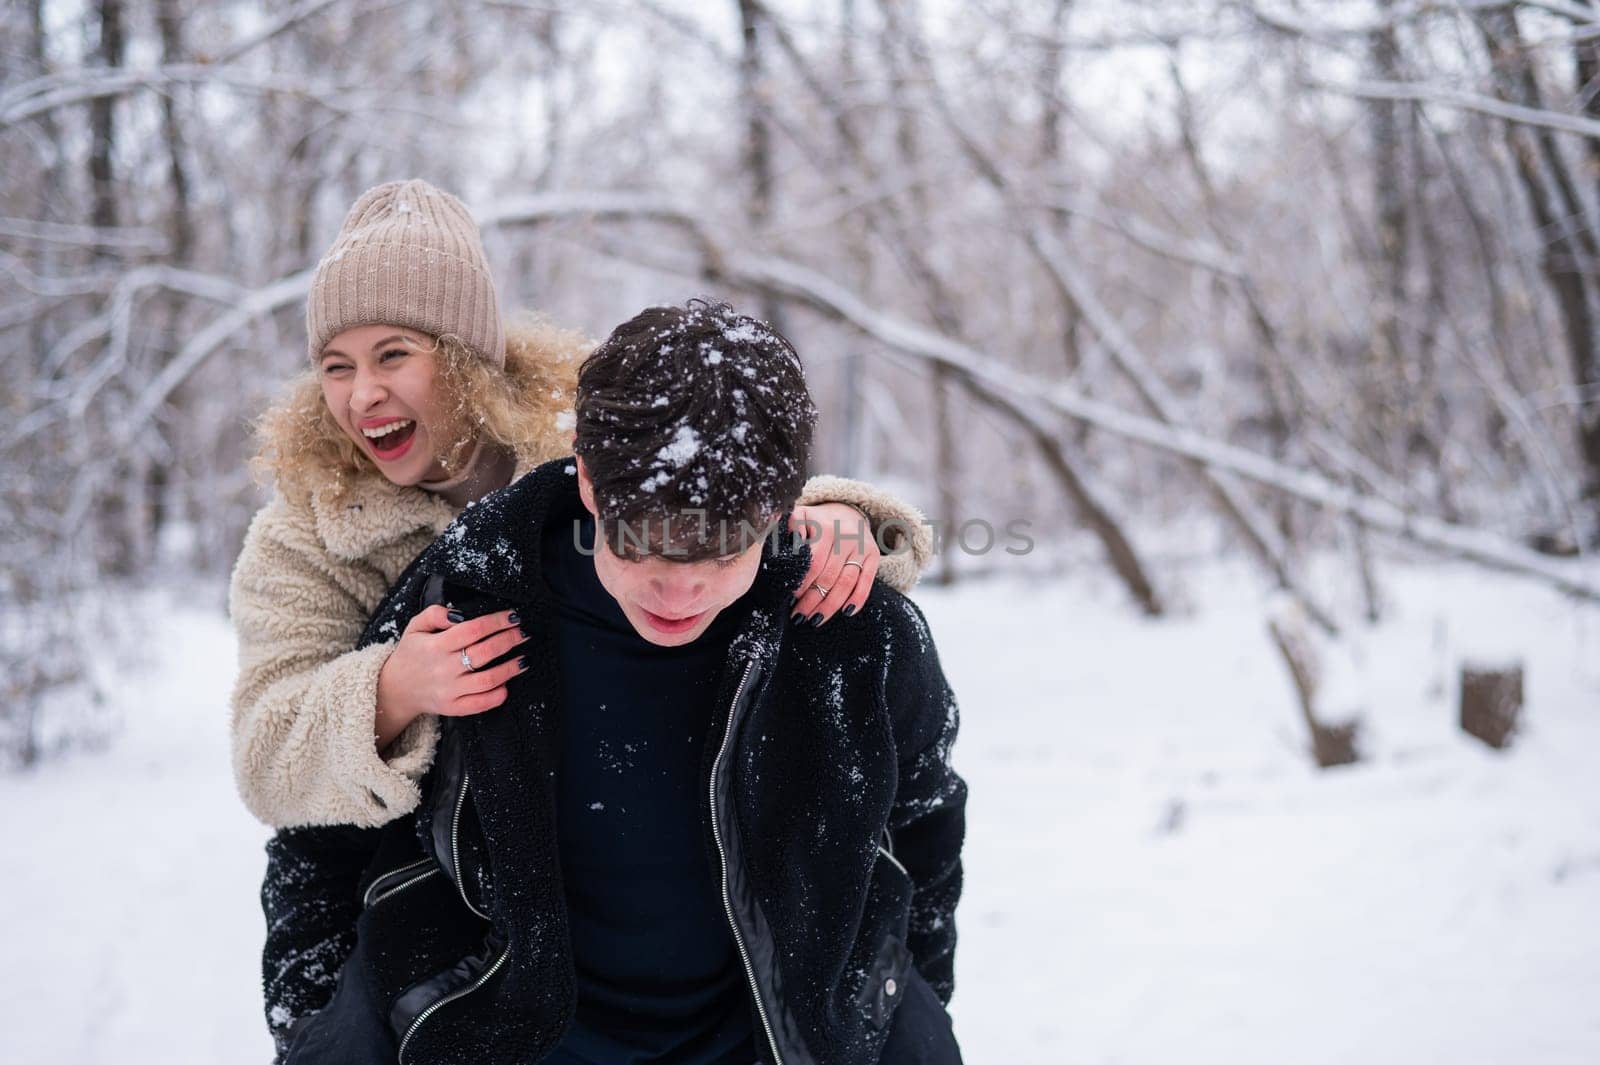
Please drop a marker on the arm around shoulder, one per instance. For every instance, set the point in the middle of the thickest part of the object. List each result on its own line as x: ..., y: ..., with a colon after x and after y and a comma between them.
x: 303, y: 707
x: 900, y: 528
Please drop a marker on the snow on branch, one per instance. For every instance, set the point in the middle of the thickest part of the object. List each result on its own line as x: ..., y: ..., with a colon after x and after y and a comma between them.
x: 911, y: 342
x: 605, y: 204
x: 1399, y: 14
x: 43, y: 95
x: 288, y: 20
x: 1474, y: 545
x: 138, y: 241
x: 1466, y: 101
x: 1152, y: 238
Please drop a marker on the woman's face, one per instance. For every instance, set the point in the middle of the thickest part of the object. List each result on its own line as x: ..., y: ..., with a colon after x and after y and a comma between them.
x: 378, y: 381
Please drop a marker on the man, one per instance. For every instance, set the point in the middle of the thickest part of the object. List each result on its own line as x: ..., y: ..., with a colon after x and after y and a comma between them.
x: 697, y: 831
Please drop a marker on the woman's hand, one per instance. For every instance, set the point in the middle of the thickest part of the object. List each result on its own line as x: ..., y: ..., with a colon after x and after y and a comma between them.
x: 438, y: 668
x: 844, y: 561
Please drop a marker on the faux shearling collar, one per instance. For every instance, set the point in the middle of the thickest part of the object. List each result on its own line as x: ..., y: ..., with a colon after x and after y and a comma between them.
x: 375, y: 513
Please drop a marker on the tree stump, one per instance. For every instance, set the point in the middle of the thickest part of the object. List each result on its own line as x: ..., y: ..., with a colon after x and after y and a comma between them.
x: 1338, y: 743
x: 1491, y: 702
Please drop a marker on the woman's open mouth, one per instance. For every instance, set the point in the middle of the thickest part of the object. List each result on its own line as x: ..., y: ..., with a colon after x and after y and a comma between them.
x: 672, y: 626
x: 391, y: 440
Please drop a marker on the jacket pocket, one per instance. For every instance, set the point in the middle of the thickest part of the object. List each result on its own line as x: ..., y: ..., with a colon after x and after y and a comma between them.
x: 419, y: 1002
x: 921, y: 1033
x: 885, y: 986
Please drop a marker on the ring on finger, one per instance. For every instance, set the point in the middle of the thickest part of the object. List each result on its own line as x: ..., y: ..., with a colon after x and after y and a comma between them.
x: 852, y: 562
x: 466, y: 660
x: 820, y: 589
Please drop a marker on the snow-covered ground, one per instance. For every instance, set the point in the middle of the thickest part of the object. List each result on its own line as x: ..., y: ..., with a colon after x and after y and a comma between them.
x: 1154, y: 872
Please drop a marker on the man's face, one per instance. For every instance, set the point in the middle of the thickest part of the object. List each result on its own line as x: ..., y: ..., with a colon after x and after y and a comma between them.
x: 669, y: 602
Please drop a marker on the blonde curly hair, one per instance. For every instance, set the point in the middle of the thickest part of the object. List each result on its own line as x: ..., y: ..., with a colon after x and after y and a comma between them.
x: 525, y: 407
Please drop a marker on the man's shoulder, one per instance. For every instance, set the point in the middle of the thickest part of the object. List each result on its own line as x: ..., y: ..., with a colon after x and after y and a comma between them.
x: 897, y: 618
x: 490, y: 544
x: 889, y: 630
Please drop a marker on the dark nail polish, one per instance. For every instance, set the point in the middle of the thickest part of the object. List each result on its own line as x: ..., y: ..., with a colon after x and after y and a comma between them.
x: 849, y: 610
x: 522, y: 662
x: 816, y: 619
x: 525, y: 633
x: 456, y: 617
x: 797, y: 617
x: 513, y: 618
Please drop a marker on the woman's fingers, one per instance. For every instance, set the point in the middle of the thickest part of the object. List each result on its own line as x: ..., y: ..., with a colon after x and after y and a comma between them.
x: 434, y: 619
x: 868, y: 573
x: 487, y: 680
x: 464, y: 634
x: 805, y: 521
x: 840, y: 587
x: 475, y: 703
x: 832, y: 530
x: 844, y: 563
x: 485, y: 651
x: 830, y: 590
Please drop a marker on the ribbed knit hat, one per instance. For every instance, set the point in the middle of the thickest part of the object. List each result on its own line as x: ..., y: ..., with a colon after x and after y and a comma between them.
x: 408, y: 254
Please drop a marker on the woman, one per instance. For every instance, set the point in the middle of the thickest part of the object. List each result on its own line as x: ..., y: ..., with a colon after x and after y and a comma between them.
x: 419, y: 403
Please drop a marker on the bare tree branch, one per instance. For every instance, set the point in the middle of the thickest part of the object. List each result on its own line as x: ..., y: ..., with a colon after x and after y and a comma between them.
x: 1456, y: 541
x: 35, y: 98
x: 1463, y: 101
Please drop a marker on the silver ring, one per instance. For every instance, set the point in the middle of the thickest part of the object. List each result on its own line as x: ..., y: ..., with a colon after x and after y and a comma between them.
x: 467, y: 662
x: 820, y: 588
x: 852, y: 562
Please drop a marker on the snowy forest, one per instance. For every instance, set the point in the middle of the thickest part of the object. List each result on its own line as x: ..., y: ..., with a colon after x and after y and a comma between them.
x: 1276, y: 323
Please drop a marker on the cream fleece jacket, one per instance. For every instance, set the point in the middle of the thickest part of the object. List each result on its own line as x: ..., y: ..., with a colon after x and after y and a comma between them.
x: 304, y: 704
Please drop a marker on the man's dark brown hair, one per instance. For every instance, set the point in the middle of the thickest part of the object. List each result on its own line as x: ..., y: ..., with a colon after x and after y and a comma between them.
x: 693, y: 422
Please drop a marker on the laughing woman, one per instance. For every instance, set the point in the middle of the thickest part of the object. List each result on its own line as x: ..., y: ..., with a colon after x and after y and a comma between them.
x: 418, y: 403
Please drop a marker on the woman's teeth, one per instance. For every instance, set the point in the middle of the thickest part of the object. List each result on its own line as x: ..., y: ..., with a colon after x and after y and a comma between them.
x: 385, y: 430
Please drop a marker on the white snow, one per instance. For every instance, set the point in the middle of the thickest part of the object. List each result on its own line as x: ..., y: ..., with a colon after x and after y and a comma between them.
x: 130, y: 877
x: 684, y: 446
x: 1154, y: 871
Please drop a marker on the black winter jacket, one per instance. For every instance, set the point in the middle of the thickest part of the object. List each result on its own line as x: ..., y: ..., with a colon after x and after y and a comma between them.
x: 833, y: 821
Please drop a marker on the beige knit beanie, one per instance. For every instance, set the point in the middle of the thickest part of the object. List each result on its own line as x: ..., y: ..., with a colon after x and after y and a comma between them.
x: 408, y: 254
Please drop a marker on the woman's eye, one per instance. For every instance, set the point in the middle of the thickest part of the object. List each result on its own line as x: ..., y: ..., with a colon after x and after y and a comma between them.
x: 396, y: 352
x: 725, y: 563
x: 333, y: 367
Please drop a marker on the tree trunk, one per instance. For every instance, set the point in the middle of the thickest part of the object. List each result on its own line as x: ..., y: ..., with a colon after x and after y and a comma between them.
x: 1564, y: 218
x: 1387, y: 386
x: 102, y: 119
x: 1586, y: 371
x: 181, y: 228
x: 756, y: 154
